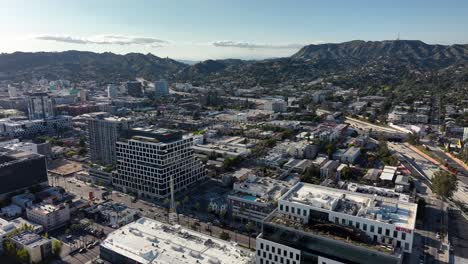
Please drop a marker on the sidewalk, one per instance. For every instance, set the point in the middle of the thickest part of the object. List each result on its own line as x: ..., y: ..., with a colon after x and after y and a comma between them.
x: 457, y: 160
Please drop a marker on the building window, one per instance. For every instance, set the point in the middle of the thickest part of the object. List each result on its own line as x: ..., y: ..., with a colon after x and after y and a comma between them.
x: 261, y: 245
x: 343, y: 221
x: 364, y: 227
x: 403, y: 236
x: 304, y: 212
x: 358, y: 225
x: 287, y: 208
x: 281, y: 207
x: 337, y: 220
x: 372, y: 228
x: 387, y: 232
x: 395, y: 234
x: 267, y: 248
x: 406, y: 246
x: 273, y: 249
x: 350, y: 223
x: 379, y: 230
x: 279, y: 251
x: 297, y: 256
x: 299, y: 211
x: 292, y: 210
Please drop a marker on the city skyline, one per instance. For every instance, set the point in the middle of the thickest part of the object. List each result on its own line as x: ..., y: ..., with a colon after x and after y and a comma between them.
x: 211, y: 30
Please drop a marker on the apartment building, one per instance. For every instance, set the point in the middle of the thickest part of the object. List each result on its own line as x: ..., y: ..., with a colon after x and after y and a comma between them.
x: 103, y: 133
x: 252, y: 199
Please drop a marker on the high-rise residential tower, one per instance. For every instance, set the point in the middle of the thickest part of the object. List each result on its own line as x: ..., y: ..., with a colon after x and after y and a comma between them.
x: 40, y: 106
x: 161, y: 88
x: 103, y: 133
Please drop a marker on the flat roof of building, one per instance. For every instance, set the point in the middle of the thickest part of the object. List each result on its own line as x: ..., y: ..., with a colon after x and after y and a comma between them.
x: 149, y: 241
x: 372, y: 207
x: 30, y: 239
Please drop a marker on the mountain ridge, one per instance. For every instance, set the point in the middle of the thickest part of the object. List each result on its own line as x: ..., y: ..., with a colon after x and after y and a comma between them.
x: 398, y: 57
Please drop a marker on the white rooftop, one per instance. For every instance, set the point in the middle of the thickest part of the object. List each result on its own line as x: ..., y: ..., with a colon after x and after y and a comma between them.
x: 372, y: 207
x: 150, y: 241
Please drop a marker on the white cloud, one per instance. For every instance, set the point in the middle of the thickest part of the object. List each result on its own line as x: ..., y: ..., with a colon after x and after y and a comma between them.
x: 106, y: 40
x: 250, y: 45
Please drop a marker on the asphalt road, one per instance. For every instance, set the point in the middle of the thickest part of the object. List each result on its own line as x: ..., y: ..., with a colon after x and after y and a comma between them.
x: 435, y: 218
x: 147, y: 209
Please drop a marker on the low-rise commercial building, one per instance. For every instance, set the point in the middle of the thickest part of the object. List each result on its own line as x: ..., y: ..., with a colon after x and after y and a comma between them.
x: 149, y: 241
x: 38, y: 247
x: 49, y: 216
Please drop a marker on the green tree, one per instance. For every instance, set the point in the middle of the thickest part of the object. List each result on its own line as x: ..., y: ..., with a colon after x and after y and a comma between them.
x: 413, y: 139
x: 311, y: 175
x: 444, y: 183
x: 22, y: 255
x: 224, y: 236
x: 185, y: 200
x: 56, y: 247
x: 330, y: 148
x: 82, y: 142
x: 46, y: 235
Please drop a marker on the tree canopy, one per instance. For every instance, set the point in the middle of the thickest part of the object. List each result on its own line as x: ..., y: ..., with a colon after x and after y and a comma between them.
x: 444, y: 183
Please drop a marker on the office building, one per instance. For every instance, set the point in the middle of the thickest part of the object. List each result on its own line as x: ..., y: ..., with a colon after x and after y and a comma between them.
x: 276, y: 105
x: 134, y: 88
x: 48, y: 215
x: 147, y: 159
x: 316, y: 224
x: 18, y: 128
x: 38, y: 247
x: 40, y: 106
x: 83, y: 95
x: 12, y: 91
x: 149, y: 241
x: 111, y: 91
x: 103, y: 133
x: 161, y: 88
x: 20, y: 170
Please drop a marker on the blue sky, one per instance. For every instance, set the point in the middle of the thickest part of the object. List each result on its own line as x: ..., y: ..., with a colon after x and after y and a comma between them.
x: 205, y: 29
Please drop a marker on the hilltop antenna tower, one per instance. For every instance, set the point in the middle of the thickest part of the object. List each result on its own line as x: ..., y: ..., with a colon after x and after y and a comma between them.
x: 398, y: 36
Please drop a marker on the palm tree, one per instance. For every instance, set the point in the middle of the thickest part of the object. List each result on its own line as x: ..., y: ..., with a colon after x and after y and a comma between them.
x: 249, y: 227
x: 185, y: 200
